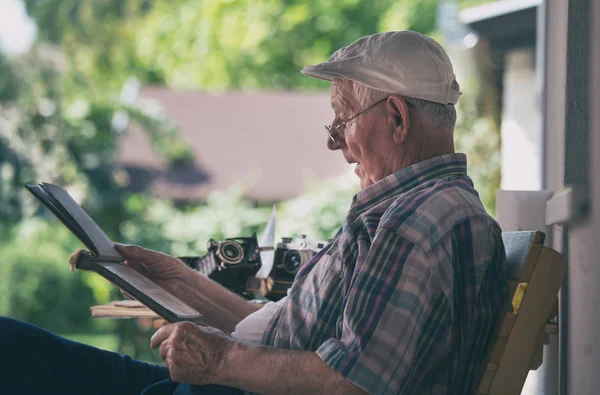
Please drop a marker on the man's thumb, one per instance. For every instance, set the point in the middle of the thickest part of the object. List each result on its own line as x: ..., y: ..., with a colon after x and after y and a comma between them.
x: 130, y: 251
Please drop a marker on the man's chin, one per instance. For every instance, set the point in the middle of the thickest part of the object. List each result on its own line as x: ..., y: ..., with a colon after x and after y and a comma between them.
x: 364, y: 182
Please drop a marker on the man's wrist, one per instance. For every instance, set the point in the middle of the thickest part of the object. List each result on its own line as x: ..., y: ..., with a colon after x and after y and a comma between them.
x: 262, y: 369
x: 181, y: 285
x: 234, y: 361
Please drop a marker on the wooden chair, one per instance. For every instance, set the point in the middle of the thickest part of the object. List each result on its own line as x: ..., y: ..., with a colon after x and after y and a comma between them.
x: 537, y: 272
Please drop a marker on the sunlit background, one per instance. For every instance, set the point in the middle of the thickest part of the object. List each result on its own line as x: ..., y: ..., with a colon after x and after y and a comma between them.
x: 175, y: 121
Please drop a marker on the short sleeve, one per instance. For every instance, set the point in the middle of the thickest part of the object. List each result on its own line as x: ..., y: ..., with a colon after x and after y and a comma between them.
x: 394, y: 318
x: 252, y: 328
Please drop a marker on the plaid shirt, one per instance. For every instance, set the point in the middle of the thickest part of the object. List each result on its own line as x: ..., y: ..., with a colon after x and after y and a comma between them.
x: 405, y: 298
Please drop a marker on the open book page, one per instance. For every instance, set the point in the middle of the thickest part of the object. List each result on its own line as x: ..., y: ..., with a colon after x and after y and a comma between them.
x: 103, y: 246
x: 59, y: 212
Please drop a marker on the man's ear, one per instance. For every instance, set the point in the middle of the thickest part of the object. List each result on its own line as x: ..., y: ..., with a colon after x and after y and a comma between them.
x: 398, y: 118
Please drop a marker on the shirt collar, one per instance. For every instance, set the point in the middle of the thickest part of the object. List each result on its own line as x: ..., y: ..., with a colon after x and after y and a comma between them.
x: 439, y: 167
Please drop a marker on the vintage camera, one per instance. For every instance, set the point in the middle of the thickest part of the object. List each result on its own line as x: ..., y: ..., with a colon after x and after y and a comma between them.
x: 229, y: 262
x: 290, y: 255
x: 236, y: 252
x: 234, y: 263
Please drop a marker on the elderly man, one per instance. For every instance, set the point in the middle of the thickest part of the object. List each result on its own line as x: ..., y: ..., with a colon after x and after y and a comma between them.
x: 403, y: 300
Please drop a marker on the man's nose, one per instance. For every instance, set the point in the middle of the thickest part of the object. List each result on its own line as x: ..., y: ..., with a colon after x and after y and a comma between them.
x: 331, y: 144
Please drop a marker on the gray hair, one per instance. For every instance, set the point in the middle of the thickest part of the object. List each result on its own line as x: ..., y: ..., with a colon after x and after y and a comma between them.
x: 439, y: 116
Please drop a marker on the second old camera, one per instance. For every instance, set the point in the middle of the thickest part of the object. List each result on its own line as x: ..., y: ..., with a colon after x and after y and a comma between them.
x: 290, y: 255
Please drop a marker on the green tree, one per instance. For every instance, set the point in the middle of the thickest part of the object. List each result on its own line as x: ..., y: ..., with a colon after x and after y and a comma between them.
x: 216, y: 44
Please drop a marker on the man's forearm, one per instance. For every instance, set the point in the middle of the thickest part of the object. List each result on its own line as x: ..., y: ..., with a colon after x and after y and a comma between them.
x: 220, y: 308
x: 267, y: 370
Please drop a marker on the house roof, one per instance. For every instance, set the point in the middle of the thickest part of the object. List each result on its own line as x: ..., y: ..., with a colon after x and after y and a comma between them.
x: 272, y: 142
x: 506, y: 23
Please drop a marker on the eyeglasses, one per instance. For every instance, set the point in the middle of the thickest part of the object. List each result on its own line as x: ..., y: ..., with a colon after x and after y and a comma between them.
x: 333, y: 129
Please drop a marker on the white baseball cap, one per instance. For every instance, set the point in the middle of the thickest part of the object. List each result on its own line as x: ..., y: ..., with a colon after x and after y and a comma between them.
x: 405, y: 63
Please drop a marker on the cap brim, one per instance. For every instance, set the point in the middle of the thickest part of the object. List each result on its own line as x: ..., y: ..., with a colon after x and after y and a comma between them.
x: 328, y: 72
x: 322, y: 73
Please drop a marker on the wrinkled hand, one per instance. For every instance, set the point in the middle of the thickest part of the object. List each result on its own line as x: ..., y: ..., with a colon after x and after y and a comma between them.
x: 163, y: 269
x: 193, y: 354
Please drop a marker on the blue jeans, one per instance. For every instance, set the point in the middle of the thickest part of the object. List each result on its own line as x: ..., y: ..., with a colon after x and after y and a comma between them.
x: 35, y: 361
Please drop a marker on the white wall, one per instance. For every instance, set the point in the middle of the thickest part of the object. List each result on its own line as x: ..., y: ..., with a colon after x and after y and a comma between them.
x: 521, y: 133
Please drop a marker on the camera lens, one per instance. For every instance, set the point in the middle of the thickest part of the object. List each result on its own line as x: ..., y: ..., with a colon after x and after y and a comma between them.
x: 293, y: 259
x: 230, y: 252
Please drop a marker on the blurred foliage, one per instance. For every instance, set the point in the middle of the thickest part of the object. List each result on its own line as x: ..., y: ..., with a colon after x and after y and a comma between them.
x: 52, y: 130
x: 162, y: 226
x: 479, y: 137
x: 57, y: 103
x: 35, y: 283
x: 217, y: 44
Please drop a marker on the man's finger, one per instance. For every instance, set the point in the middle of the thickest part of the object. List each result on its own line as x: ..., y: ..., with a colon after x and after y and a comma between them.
x: 159, y: 323
x: 73, y: 259
x: 135, y: 264
x: 161, y: 335
x: 164, y: 349
x: 131, y: 251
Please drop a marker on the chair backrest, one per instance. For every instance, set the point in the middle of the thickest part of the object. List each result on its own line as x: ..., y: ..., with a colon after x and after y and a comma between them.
x: 539, y: 270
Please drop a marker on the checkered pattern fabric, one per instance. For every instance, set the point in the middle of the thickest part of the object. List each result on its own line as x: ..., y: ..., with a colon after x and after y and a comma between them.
x: 405, y: 298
